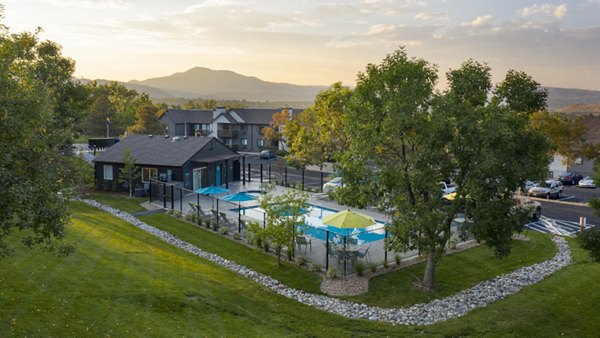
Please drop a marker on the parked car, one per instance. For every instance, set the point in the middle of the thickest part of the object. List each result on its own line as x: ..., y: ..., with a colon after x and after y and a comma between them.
x: 534, y: 208
x: 571, y: 178
x: 529, y: 185
x: 267, y: 154
x: 333, y: 184
x: 587, y: 182
x: 548, y: 189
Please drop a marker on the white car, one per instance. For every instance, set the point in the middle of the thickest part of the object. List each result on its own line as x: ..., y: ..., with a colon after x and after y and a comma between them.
x: 587, y: 182
x: 550, y: 188
x: 333, y: 184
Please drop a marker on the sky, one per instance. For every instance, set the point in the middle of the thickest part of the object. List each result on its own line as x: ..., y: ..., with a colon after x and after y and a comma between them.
x: 318, y: 42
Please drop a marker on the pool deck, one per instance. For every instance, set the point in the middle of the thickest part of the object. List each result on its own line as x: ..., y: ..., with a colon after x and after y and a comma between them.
x: 317, y: 250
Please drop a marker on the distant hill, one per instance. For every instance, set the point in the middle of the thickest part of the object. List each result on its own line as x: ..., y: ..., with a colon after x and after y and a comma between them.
x: 562, y: 97
x: 224, y: 84
x: 581, y: 109
x: 151, y: 91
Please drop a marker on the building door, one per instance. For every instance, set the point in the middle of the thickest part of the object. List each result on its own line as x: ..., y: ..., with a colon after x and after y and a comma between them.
x: 236, y: 170
x: 218, y: 176
x: 197, y: 175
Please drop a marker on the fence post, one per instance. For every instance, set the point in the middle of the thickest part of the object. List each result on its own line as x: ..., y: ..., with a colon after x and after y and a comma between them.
x: 198, y: 209
x: 172, y: 197
x: 261, y: 169
x: 164, y: 195
x: 227, y: 174
x: 327, y: 251
x: 244, y: 170
x: 385, y: 249
x: 285, y: 179
x: 249, y: 172
x: 303, y: 182
x: 181, y: 200
x: 150, y: 191
x: 321, y: 179
x: 269, y: 173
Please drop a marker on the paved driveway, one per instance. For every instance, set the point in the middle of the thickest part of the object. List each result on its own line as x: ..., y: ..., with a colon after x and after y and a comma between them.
x: 555, y: 226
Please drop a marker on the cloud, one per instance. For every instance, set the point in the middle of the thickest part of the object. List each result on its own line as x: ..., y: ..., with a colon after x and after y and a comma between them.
x: 91, y: 4
x: 479, y: 21
x: 433, y: 16
x: 556, y: 11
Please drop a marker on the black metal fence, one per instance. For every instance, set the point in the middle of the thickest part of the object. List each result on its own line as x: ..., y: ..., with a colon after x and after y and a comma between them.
x: 281, y: 174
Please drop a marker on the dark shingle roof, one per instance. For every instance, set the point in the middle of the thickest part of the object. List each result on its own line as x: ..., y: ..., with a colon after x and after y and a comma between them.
x: 157, y: 150
x: 190, y: 116
x: 256, y: 116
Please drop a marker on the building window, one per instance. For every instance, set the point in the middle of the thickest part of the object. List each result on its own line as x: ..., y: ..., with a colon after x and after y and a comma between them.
x: 108, y: 172
x: 148, y: 174
x: 244, y: 142
x: 228, y: 141
x: 260, y: 142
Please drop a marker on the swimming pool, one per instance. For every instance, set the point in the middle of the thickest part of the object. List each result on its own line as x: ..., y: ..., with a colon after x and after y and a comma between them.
x: 316, y: 229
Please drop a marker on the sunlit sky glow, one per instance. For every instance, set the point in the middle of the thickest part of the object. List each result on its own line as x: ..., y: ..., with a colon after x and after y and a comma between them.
x: 317, y: 42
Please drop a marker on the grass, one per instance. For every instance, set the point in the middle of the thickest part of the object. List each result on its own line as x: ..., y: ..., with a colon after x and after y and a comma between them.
x: 454, y: 273
x: 287, y: 273
x: 119, y: 201
x: 124, y: 282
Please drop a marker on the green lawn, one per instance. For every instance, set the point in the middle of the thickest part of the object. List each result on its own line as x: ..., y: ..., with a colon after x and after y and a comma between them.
x: 119, y: 201
x: 124, y: 282
x: 455, y: 273
x: 257, y: 260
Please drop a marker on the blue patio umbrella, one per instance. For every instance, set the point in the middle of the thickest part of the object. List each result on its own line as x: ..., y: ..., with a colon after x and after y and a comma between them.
x: 239, y: 197
x: 211, y: 190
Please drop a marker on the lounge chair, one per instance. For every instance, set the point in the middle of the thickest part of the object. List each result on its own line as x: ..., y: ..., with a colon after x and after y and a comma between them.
x: 302, y: 240
x: 225, y: 220
x: 364, y: 255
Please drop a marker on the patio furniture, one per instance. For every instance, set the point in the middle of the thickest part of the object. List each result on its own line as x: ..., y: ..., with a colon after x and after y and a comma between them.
x: 364, y: 255
x: 225, y: 220
x: 193, y: 207
x: 302, y: 240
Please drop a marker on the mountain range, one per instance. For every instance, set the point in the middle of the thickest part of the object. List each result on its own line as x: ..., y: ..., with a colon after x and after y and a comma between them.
x: 205, y: 83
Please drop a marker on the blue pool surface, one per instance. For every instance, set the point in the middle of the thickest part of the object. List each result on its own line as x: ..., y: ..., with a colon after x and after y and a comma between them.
x: 316, y: 229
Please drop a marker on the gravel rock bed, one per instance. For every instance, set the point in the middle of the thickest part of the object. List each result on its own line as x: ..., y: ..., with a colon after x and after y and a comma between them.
x: 435, y: 311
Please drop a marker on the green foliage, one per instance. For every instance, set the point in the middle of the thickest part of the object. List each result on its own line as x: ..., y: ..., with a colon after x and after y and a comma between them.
x: 332, y: 273
x: 373, y: 267
x: 405, y: 138
x: 301, y: 260
x: 565, y: 133
x: 589, y: 239
x: 39, y: 106
x: 315, y: 267
x: 397, y: 259
x: 81, y: 175
x: 255, y: 234
x: 317, y: 134
x: 146, y: 120
x: 129, y: 173
x: 360, y: 268
x: 283, y: 215
x: 223, y: 231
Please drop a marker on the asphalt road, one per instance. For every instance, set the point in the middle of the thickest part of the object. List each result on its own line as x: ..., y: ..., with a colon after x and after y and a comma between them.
x: 577, y: 194
x: 568, y: 212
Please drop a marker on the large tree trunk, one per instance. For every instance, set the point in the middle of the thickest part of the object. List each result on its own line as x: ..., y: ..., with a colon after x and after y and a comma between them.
x: 428, y: 279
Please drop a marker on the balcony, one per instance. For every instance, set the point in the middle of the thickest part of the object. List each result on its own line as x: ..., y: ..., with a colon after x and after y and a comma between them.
x: 221, y: 133
x: 201, y: 132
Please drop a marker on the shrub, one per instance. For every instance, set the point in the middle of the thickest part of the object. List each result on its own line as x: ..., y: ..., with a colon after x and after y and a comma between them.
x: 289, y: 255
x: 216, y: 225
x: 301, y: 260
x: 589, y: 239
x: 224, y: 231
x: 385, y: 264
x: 373, y: 267
x: 315, y: 267
x: 266, y: 245
x: 360, y: 268
x: 332, y: 273
x: 452, y: 243
x: 177, y: 214
x: 189, y: 217
x: 237, y: 236
x: 398, y: 259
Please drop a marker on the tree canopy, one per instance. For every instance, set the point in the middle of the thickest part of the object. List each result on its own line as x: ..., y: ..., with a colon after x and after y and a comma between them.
x: 39, y: 106
x: 408, y: 138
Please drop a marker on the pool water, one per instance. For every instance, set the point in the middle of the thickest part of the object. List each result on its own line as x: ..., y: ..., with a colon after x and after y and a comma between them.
x: 316, y: 229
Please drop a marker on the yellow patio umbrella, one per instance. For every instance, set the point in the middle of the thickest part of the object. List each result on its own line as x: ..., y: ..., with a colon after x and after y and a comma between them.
x: 348, y: 219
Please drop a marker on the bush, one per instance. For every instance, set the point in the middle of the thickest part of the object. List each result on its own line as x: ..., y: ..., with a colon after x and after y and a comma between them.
x: 189, y: 218
x: 315, y: 267
x: 373, y: 267
x: 266, y: 245
x: 301, y: 260
x: 360, y: 268
x: 237, y: 236
x: 398, y: 259
x: 223, y: 231
x: 281, y: 153
x: 332, y: 273
x: 385, y: 264
x: 452, y: 243
x: 589, y: 239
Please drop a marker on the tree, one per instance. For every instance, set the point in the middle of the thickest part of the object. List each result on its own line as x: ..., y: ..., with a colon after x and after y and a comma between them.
x: 39, y: 106
x: 129, y: 173
x: 317, y: 135
x: 565, y: 133
x: 273, y: 132
x: 407, y: 139
x: 146, y: 120
x: 283, y: 215
x: 589, y: 239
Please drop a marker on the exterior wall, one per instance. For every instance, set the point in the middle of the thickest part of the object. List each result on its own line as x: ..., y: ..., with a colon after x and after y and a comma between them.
x: 114, y: 185
x: 584, y: 167
x: 561, y: 165
x: 169, y: 125
x: 558, y: 166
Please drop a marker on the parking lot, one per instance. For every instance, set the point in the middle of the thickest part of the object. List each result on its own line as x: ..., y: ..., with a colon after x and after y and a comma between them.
x: 573, y: 193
